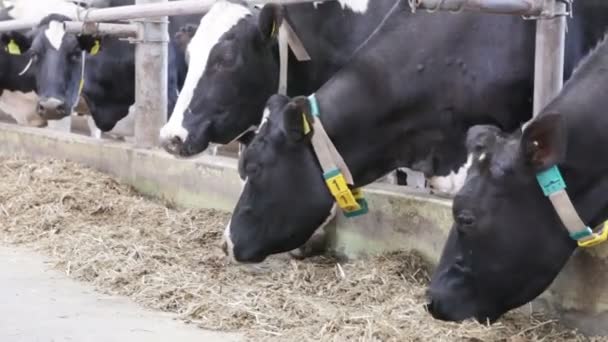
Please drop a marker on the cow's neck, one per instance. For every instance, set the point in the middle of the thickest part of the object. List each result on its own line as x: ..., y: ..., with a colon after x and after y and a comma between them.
x: 363, y: 113
x: 331, y: 38
x: 583, y: 104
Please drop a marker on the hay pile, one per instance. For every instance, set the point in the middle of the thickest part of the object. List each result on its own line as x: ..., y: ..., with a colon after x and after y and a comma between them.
x: 105, y: 233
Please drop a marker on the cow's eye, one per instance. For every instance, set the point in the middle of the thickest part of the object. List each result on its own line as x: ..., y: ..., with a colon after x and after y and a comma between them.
x: 252, y: 169
x: 227, y: 60
x: 75, y: 57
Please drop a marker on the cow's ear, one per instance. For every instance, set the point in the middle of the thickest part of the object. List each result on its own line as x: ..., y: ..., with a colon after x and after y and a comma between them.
x: 544, y: 141
x: 271, y: 18
x: 297, y: 120
x: 90, y: 44
x: 185, y: 35
x: 16, y: 43
x: 481, y: 138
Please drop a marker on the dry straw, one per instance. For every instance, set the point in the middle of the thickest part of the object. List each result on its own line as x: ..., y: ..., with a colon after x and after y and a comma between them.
x: 102, y: 232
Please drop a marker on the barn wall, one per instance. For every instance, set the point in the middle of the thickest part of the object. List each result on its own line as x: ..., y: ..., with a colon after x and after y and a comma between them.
x: 398, y: 220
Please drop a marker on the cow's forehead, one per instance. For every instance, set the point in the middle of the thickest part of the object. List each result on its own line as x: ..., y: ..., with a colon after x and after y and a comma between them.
x: 55, y: 33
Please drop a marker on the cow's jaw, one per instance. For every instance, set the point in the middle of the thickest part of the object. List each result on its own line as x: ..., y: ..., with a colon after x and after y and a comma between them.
x: 222, y: 17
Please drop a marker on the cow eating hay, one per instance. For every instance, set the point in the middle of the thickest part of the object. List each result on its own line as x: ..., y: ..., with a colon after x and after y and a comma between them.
x: 103, y: 232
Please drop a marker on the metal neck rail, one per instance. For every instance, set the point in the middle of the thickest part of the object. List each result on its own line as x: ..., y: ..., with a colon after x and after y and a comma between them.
x: 138, y: 11
x: 532, y: 8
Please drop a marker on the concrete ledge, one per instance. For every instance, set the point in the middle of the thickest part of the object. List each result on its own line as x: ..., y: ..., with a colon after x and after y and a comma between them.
x: 203, y: 182
x: 398, y: 219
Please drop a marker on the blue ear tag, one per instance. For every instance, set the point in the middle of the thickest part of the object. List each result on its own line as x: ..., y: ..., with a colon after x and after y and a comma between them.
x: 551, y: 180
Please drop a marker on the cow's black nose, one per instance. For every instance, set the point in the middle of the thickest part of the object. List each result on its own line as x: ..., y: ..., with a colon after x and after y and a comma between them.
x: 435, y: 309
x: 173, y: 145
x: 52, y: 108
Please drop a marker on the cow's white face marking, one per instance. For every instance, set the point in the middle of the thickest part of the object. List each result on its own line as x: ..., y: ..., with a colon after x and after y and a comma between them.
x: 358, y: 6
x: 453, y: 182
x: 55, y: 33
x: 227, y: 239
x: 222, y: 17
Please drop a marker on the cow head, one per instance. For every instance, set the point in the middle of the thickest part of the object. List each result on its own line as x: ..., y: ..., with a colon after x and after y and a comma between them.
x: 235, y: 72
x: 56, y: 60
x: 284, y: 199
x: 507, y: 244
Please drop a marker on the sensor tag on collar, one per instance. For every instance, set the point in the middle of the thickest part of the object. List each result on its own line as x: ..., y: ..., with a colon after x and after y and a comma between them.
x: 597, y: 238
x: 551, y: 181
x: 339, y: 189
x: 358, y: 194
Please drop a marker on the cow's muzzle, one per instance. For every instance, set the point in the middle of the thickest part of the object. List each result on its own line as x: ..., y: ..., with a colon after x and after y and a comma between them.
x: 52, y: 108
x: 173, y: 145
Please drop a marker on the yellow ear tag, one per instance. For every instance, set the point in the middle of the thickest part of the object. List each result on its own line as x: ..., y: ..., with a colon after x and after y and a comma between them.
x: 13, y: 48
x: 306, y: 125
x: 95, y: 48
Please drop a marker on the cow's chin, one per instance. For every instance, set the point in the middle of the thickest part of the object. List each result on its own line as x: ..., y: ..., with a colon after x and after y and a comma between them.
x: 189, y: 150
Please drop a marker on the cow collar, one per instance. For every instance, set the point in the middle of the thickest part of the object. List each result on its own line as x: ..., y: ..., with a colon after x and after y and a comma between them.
x: 553, y: 185
x: 335, y: 171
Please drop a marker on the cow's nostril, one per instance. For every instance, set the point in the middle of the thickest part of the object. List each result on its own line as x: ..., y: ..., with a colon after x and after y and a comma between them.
x: 465, y: 218
x: 176, y: 141
x: 173, y: 145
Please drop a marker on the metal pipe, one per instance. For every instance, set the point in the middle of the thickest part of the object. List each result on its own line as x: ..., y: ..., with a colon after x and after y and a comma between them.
x: 549, y: 60
x: 517, y: 7
x: 139, y: 10
x: 115, y: 30
x: 151, y: 73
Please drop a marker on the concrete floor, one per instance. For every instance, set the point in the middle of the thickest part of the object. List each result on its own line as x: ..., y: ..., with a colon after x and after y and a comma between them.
x: 39, y: 304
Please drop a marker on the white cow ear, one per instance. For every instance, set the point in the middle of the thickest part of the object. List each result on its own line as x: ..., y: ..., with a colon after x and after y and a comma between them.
x: 297, y: 120
x: 544, y: 141
x: 271, y: 18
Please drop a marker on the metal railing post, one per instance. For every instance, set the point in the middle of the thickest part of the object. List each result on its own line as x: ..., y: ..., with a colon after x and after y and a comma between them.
x: 151, y: 55
x: 549, y: 60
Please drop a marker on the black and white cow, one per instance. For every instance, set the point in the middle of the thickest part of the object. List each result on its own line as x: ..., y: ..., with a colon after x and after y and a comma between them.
x: 507, y: 243
x: 424, y: 96
x: 109, y: 74
x: 235, y: 65
x: 18, y: 99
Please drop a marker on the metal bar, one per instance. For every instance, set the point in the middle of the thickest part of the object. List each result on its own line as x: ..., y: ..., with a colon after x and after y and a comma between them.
x: 516, y: 7
x: 116, y: 30
x: 151, y: 73
x: 139, y: 10
x: 549, y: 60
